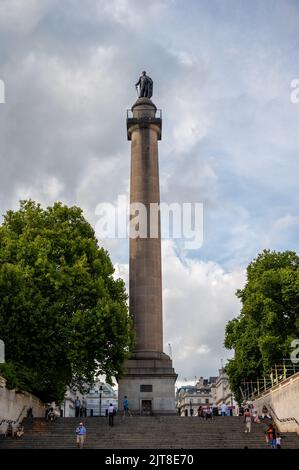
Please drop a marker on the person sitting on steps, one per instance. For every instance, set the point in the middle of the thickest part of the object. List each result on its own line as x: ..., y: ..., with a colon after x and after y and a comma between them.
x: 265, y: 413
x: 19, y: 431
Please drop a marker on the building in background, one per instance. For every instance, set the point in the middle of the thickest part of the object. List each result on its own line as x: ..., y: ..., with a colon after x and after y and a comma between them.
x: 210, y: 392
x: 67, y: 409
x: 223, y: 393
x: 190, y: 397
x: 95, y: 401
x: 99, y: 398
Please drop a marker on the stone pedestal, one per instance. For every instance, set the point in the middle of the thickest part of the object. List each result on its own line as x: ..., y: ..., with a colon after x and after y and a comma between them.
x: 149, y: 379
x: 149, y: 384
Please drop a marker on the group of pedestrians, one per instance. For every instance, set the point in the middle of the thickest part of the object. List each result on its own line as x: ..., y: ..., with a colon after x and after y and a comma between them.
x: 251, y: 415
x: 112, y: 410
x: 51, y: 414
x: 205, y: 414
x: 9, y: 429
x: 209, y: 412
x: 273, y: 438
x: 81, y: 432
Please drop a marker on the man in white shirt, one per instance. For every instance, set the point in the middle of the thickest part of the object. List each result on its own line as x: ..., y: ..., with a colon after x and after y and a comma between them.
x: 223, y: 409
x: 111, y: 414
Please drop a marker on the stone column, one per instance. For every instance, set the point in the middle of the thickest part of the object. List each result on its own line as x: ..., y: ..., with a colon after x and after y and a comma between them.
x: 149, y: 377
x: 144, y: 130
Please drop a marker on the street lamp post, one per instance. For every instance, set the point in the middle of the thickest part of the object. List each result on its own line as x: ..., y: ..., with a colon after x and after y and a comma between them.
x: 101, y: 390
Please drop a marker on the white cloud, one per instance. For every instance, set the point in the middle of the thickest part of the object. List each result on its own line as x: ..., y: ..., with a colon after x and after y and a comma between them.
x: 188, y: 131
x: 133, y: 13
x: 53, y: 188
x: 122, y: 270
x: 199, y: 298
x: 46, y: 190
x: 286, y: 222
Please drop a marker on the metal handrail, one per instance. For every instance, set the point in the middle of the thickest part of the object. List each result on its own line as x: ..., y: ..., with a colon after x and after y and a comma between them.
x: 283, y: 420
x: 5, y: 420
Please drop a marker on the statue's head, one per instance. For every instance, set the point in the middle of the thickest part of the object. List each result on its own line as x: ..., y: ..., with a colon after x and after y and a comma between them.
x: 144, y: 72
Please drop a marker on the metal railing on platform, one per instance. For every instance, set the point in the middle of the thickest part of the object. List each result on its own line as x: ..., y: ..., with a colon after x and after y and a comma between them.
x: 253, y: 389
x: 158, y: 115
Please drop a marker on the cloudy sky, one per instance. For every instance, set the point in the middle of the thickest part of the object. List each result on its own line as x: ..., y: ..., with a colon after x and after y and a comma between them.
x: 222, y: 74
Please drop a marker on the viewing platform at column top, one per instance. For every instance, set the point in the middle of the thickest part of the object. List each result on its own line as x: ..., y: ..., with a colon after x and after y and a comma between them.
x: 142, y: 114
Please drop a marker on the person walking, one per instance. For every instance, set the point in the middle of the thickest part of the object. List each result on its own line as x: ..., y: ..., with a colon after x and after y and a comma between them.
x: 247, y: 420
x: 47, y: 409
x: 81, y: 435
x: 278, y: 441
x: 223, y: 409
x: 249, y: 406
x: 126, y: 406
x: 111, y: 413
x: 208, y: 414
x: 77, y: 407
x: 271, y: 436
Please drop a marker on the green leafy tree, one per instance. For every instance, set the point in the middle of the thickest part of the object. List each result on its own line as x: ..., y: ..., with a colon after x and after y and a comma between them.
x: 63, y: 317
x: 261, y: 335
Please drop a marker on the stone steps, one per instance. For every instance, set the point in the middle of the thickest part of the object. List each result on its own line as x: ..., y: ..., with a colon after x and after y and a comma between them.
x: 159, y: 432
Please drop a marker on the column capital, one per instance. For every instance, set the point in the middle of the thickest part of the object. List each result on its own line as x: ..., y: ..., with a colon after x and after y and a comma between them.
x: 144, y: 102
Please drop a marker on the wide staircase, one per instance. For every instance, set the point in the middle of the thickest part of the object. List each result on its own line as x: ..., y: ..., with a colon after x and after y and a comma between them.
x: 137, y: 432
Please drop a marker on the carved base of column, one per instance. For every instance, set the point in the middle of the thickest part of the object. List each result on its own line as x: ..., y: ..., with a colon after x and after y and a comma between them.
x: 149, y: 384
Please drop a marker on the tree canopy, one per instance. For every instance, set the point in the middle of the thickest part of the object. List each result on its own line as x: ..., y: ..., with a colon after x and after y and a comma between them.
x: 63, y: 316
x: 269, y: 320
